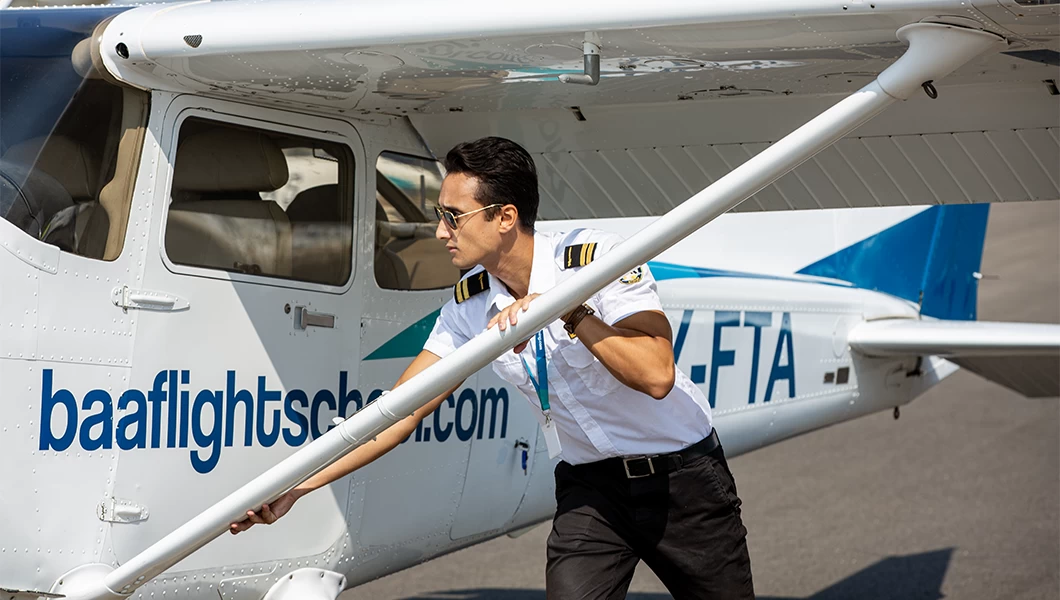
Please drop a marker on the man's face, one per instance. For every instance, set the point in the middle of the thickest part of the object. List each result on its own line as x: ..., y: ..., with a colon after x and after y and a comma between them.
x: 474, y: 238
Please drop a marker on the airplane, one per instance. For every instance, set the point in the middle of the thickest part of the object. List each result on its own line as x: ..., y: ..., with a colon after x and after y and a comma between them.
x: 218, y: 252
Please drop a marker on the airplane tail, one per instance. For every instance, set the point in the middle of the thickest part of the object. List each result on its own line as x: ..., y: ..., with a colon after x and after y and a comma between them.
x: 932, y: 258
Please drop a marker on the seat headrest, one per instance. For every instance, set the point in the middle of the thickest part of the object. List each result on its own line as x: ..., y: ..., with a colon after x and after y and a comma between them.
x: 67, y: 161
x: 229, y: 160
x: 316, y: 204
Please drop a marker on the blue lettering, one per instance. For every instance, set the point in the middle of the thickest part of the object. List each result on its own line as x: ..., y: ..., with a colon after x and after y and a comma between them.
x: 718, y: 357
x: 232, y: 399
x: 267, y: 438
x: 757, y: 320
x: 156, y: 397
x: 787, y: 371
x: 347, y: 398
x: 208, y: 417
x: 48, y: 400
x: 467, y: 396
x: 204, y: 439
x: 442, y: 433
x: 682, y: 332
x: 138, y: 418
x: 321, y: 397
x: 295, y: 417
x: 497, y: 397
x: 375, y: 395
x: 104, y: 418
x: 185, y: 409
x: 171, y: 422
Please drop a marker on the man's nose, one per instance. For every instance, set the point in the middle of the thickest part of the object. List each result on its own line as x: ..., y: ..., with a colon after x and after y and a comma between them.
x: 442, y: 232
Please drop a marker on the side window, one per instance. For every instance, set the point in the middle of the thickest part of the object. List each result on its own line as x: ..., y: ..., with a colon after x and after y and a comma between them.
x: 263, y: 203
x: 407, y: 255
x: 66, y: 176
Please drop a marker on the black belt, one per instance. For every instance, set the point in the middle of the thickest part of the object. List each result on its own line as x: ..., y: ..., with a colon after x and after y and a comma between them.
x: 635, y: 467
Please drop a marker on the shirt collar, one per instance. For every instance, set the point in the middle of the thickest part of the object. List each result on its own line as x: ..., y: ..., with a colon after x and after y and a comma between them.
x: 542, y: 275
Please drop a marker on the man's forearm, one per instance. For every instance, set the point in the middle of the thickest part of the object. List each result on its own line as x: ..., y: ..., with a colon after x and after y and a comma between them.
x: 385, y: 441
x: 361, y: 456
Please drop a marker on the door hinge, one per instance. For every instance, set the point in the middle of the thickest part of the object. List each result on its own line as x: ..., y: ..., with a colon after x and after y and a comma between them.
x: 126, y: 298
x: 116, y: 510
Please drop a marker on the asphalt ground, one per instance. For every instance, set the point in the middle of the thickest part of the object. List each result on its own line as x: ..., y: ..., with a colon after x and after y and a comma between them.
x: 959, y: 498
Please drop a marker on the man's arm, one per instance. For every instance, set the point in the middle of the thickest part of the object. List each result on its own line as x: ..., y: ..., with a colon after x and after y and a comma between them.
x: 359, y: 457
x: 637, y: 350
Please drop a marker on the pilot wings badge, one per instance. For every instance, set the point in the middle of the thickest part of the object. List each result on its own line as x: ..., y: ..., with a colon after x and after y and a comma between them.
x: 633, y: 276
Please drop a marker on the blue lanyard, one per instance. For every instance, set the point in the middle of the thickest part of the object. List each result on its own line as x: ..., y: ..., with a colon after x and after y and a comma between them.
x: 541, y: 382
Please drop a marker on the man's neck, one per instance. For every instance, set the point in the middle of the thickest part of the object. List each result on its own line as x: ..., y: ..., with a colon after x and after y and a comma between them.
x: 513, y: 264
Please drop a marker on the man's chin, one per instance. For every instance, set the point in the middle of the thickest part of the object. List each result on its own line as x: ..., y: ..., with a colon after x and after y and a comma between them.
x: 460, y: 263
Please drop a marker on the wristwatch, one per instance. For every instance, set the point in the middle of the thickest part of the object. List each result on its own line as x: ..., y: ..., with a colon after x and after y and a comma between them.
x: 571, y: 321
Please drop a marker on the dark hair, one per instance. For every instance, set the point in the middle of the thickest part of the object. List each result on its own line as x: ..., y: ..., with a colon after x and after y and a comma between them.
x: 505, y: 173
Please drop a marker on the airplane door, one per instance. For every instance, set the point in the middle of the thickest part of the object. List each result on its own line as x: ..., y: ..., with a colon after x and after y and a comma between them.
x: 248, y: 317
x: 495, y: 480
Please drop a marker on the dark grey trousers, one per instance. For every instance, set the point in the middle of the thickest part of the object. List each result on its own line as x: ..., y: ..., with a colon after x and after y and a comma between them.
x: 685, y: 525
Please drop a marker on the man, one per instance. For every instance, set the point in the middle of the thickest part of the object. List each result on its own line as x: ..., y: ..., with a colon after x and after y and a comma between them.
x: 643, y: 476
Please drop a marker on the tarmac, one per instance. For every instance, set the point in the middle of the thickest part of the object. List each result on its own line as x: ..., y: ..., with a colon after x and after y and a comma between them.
x: 959, y: 498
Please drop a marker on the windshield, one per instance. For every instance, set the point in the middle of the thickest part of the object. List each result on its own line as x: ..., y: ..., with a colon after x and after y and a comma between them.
x: 57, y: 127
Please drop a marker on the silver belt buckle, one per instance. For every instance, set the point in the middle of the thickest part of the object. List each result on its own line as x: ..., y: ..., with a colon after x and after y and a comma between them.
x: 651, y: 466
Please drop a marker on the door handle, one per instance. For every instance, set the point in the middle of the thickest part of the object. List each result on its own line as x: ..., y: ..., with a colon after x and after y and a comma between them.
x: 303, y: 318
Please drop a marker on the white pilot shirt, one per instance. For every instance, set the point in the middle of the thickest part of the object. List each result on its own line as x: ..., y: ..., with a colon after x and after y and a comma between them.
x: 595, y: 415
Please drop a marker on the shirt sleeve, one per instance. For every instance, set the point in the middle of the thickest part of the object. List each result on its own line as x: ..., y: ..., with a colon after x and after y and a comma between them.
x: 634, y: 292
x: 449, y: 333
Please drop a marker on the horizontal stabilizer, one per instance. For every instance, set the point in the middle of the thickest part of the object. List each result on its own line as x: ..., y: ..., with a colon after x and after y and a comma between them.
x: 1024, y: 357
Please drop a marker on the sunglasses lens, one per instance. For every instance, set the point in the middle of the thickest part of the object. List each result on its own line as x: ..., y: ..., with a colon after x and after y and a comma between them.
x: 444, y: 215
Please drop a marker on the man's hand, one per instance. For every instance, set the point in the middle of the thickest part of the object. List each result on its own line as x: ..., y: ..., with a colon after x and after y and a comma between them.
x: 511, y: 315
x: 267, y: 515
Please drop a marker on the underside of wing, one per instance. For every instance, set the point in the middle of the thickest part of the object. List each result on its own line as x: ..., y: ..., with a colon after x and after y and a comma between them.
x: 687, y: 91
x: 1024, y: 357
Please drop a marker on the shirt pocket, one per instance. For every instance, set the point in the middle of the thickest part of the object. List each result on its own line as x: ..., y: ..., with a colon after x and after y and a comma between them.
x: 588, y: 370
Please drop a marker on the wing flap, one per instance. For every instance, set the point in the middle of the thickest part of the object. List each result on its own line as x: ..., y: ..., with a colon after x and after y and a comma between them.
x: 1032, y: 376
x: 1024, y: 357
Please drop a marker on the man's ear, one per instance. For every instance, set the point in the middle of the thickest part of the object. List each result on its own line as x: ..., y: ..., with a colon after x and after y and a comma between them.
x: 509, y: 217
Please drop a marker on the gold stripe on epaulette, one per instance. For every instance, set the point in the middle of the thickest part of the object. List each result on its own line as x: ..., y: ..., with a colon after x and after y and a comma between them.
x: 579, y: 255
x: 475, y: 284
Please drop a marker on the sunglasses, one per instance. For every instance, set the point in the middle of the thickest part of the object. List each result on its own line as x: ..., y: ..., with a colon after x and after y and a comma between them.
x: 450, y: 218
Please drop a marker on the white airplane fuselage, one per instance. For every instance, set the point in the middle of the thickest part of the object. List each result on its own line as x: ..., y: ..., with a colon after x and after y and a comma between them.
x: 129, y: 422
x: 171, y: 330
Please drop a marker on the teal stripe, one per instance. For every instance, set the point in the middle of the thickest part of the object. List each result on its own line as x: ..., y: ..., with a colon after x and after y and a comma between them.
x: 409, y: 342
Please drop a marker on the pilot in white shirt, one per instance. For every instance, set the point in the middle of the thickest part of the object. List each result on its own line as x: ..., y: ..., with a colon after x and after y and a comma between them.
x: 596, y: 416
x: 643, y: 475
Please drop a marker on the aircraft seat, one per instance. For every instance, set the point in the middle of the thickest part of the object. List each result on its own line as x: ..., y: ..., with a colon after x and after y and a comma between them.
x: 217, y: 218
x: 77, y: 169
x: 322, y: 238
x: 64, y: 159
x: 390, y: 270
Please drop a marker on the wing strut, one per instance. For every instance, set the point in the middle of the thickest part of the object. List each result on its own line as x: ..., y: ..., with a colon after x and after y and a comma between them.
x: 934, y: 51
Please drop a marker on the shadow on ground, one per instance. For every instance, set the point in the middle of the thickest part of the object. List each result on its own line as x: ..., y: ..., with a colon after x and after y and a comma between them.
x: 912, y: 577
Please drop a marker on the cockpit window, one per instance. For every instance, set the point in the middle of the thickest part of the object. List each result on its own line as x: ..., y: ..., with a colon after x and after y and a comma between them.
x: 407, y: 255
x: 69, y: 141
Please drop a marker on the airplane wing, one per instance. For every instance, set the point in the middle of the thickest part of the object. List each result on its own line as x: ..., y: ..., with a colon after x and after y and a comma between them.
x: 1024, y: 357
x: 687, y: 91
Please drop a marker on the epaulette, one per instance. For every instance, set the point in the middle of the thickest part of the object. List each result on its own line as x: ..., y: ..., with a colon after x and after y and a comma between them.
x: 475, y: 284
x: 579, y: 255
